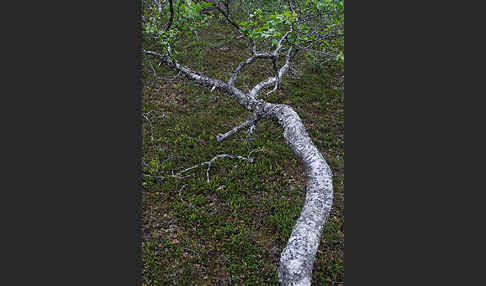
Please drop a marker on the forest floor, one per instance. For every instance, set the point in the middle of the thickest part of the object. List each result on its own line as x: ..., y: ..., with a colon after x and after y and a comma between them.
x: 232, y: 229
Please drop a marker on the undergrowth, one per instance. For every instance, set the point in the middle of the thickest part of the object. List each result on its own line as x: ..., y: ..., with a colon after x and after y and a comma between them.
x: 232, y: 229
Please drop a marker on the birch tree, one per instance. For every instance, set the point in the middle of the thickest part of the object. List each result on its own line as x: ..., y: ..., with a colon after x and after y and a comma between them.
x: 276, y: 31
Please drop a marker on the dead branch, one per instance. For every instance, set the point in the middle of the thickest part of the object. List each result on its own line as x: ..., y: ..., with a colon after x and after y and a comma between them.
x: 262, y: 55
x: 249, y: 123
x: 297, y: 259
x: 208, y: 163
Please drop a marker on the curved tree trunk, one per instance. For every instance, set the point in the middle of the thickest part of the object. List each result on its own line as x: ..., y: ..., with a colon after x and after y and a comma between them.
x: 297, y: 259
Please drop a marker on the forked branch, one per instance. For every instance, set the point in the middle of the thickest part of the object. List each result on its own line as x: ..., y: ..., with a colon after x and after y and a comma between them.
x: 297, y: 259
x: 274, y: 55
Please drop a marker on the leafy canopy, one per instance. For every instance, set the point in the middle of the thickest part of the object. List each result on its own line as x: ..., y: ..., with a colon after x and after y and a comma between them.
x: 317, y: 25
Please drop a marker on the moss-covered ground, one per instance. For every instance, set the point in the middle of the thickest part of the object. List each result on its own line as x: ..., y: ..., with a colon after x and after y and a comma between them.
x: 232, y: 230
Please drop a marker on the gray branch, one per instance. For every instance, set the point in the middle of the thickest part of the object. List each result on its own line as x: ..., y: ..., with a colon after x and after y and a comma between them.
x: 255, y: 55
x: 276, y: 79
x: 249, y: 123
x: 208, y: 163
x: 248, y: 61
x: 297, y: 259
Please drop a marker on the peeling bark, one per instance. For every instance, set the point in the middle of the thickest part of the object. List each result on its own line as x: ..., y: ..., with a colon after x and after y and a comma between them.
x: 297, y: 259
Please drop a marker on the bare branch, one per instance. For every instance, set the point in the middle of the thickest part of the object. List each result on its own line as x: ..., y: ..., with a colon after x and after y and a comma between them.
x: 208, y: 163
x: 155, y: 54
x: 274, y: 88
x: 279, y: 45
x: 274, y: 56
x: 276, y: 79
x: 241, y: 97
x: 249, y: 123
x: 296, y: 262
x: 251, y: 129
x: 171, y: 19
x: 247, y: 62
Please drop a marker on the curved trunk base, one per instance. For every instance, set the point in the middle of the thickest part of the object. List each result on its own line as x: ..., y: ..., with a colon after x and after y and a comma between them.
x: 297, y: 259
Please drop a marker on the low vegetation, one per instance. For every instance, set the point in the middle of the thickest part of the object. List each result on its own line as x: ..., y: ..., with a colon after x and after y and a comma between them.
x: 231, y: 229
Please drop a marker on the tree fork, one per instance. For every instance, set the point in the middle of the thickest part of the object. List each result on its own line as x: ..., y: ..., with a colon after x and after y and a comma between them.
x: 297, y: 258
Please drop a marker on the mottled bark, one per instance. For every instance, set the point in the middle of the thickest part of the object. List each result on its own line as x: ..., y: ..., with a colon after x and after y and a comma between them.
x: 297, y: 258
x: 273, y: 56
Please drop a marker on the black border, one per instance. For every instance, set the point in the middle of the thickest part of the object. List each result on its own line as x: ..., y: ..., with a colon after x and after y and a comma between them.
x: 72, y: 166
x: 138, y: 151
x: 77, y: 145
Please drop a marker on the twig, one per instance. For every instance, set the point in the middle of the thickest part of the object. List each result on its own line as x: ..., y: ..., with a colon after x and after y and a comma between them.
x: 180, y: 190
x: 250, y: 122
x: 208, y: 163
x: 171, y: 19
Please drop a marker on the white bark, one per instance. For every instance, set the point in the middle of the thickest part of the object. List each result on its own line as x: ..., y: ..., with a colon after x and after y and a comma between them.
x: 249, y: 159
x: 298, y: 257
x: 249, y: 123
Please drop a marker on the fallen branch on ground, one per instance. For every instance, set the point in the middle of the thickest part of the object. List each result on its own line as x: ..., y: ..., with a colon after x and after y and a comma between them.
x: 249, y: 123
x: 208, y: 163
